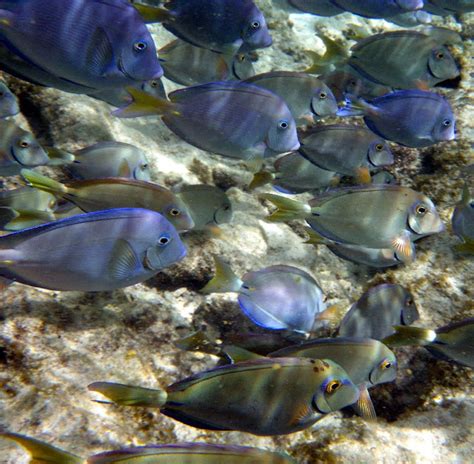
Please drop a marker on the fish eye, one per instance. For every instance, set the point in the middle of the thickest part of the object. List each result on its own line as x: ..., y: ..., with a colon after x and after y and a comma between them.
x: 23, y: 144
x: 379, y: 147
x: 154, y: 84
x: 226, y: 208
x: 255, y: 25
x: 241, y: 58
x: 175, y: 212
x: 447, y: 122
x: 2, y: 93
x: 140, y: 46
x: 439, y: 55
x: 421, y: 210
x: 323, y: 95
x: 164, y: 240
x: 385, y: 365
x: 409, y: 301
x: 283, y: 125
x: 333, y: 386
x: 144, y: 166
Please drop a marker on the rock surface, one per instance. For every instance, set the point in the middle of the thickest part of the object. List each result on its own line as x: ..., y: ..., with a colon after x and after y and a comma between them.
x: 53, y: 344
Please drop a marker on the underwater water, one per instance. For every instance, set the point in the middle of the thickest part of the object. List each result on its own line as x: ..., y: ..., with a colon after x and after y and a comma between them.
x: 54, y: 344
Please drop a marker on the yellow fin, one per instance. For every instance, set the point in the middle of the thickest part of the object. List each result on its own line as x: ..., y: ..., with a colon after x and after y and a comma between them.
x: 124, y: 169
x: 404, y: 248
x: 197, y: 341
x: 362, y: 176
x: 364, y: 406
x: 58, y: 157
x: 318, y: 65
x: 287, y: 209
x: 237, y: 354
x: 28, y: 218
x: 43, y: 183
x: 466, y: 248
x: 332, y: 314
x: 128, y: 395
x: 144, y: 104
x: 42, y: 453
x: 407, y: 335
x: 314, y: 238
x: 153, y: 14
x: 261, y: 178
x: 224, y: 279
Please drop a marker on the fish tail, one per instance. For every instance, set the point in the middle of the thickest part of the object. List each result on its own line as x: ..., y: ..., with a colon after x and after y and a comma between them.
x: 321, y: 64
x: 129, y: 395
x: 144, y: 104
x: 407, y: 335
x: 318, y: 64
x: 287, y: 209
x: 354, y: 106
x: 58, y: 157
x: 6, y: 19
x: 197, y: 341
x: 153, y: 14
x: 224, y: 279
x: 261, y: 178
x: 466, y: 248
x: 314, y: 238
x: 43, y: 183
x: 42, y: 453
x: 25, y: 218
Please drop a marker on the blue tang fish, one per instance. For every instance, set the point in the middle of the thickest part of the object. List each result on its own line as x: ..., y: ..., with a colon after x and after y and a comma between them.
x: 414, y: 118
x: 123, y: 247
x: 378, y: 8
x: 219, y: 25
x: 108, y: 45
x: 232, y: 119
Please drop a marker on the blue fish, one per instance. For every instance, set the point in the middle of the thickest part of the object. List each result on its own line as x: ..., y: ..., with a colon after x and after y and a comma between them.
x: 94, y: 43
x: 414, y: 118
x: 378, y: 8
x: 99, y: 251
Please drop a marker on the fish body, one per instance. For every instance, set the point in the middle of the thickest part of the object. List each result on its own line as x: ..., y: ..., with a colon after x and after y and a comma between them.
x: 319, y: 8
x: 108, y: 46
x: 377, y: 311
x: 116, y: 192
x: 110, y: 159
x: 8, y: 102
x: 123, y: 247
x: 411, y: 18
x: 263, y: 397
x: 345, y: 149
x: 188, y: 65
x: 305, y: 94
x: 403, y: 59
x: 444, y: 7
x: 463, y: 216
x: 414, y: 118
x: 372, y: 257
x: 18, y: 149
x: 378, y: 8
x: 207, y: 205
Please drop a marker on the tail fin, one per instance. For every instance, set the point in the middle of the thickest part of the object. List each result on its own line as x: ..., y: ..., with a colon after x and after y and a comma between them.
x: 407, y: 335
x: 42, y: 453
x: 334, y: 55
x: 355, y: 106
x: 44, y: 183
x: 197, y: 341
x: 466, y: 248
x: 153, y: 14
x: 261, y: 178
x: 314, y: 238
x: 144, y: 104
x: 58, y: 157
x: 287, y: 209
x: 224, y: 279
x: 128, y: 395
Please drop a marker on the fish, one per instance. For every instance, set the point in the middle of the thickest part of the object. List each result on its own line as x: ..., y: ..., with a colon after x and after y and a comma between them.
x: 18, y: 149
x: 295, y: 174
x: 404, y: 59
x: 217, y: 25
x: 452, y: 342
x: 348, y: 150
x: 278, y: 297
x: 378, y: 310
x: 411, y: 18
x: 384, y: 177
x: 116, y: 192
x: 264, y: 397
x: 123, y: 247
x: 413, y: 118
x: 233, y: 119
x: 319, y: 8
x: 208, y: 206
x: 305, y: 94
x: 113, y: 45
x: 193, y: 453
x: 188, y: 65
x: 446, y: 7
x: 462, y: 221
x: 109, y: 159
x: 8, y: 102
x: 378, y: 8
x: 372, y: 216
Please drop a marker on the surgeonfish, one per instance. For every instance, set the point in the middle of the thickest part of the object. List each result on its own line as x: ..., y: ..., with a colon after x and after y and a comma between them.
x: 218, y: 25
x: 109, y: 45
x: 263, y: 397
x: 8, y: 102
x: 116, y: 192
x: 463, y: 221
x: 414, y: 118
x: 233, y: 119
x: 18, y: 149
x: 411, y: 18
x: 189, y: 453
x: 377, y: 311
x: 123, y: 247
x: 319, y: 8
x: 276, y: 297
x: 378, y: 8
x: 452, y: 342
x: 372, y: 216
x: 446, y: 7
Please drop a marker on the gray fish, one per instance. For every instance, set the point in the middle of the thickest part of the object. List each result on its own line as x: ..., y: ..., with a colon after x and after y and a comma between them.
x: 109, y: 159
x: 319, y: 7
x: 232, y: 119
x: 295, y: 174
x: 263, y: 397
x: 404, y: 59
x: 384, y: 177
x: 451, y: 6
x: 18, y: 148
x: 463, y: 221
x: 411, y: 18
x: 189, y: 65
x: 452, y: 342
x: 378, y: 8
x: 373, y: 216
x: 305, y: 95
x: 347, y: 150
x: 377, y: 311
x: 208, y: 206
x: 8, y: 102
x: 123, y: 247
x: 413, y: 118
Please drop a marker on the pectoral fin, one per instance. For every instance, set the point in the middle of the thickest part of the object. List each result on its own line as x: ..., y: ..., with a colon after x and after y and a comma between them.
x: 364, y: 406
x: 362, y: 176
x: 124, y: 169
x: 404, y: 248
x: 124, y: 263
